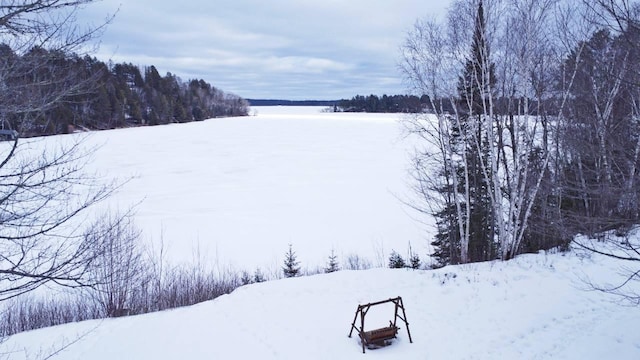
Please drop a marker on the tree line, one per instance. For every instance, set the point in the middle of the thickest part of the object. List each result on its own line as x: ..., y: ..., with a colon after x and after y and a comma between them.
x: 280, y: 102
x: 384, y: 104
x: 534, y: 135
x: 51, y: 91
x: 359, y: 103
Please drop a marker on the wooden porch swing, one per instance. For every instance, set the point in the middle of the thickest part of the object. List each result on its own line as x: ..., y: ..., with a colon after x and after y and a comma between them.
x: 374, y: 339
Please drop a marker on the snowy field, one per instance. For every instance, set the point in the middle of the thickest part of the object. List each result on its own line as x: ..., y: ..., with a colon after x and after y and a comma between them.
x: 235, y: 192
x: 533, y: 307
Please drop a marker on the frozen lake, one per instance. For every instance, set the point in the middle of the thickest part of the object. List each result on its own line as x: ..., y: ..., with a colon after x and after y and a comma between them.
x: 237, y: 191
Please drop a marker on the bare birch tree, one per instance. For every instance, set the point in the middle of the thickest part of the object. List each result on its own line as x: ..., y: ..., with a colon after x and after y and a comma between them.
x: 42, y: 194
x: 430, y: 64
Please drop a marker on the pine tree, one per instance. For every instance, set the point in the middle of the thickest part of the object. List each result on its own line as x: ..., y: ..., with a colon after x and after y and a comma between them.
x: 291, y: 268
x: 258, y: 277
x: 414, y: 262
x: 332, y: 265
x: 447, y: 241
x: 396, y: 261
x: 475, y: 88
x: 414, y: 259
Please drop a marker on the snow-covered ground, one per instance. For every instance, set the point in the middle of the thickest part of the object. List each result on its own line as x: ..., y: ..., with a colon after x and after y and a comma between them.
x: 534, y: 307
x: 239, y: 190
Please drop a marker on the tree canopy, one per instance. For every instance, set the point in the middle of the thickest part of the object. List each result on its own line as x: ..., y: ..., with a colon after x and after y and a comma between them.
x: 120, y: 95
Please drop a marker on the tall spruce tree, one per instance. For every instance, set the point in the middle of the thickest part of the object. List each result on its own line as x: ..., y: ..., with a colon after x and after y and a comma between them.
x: 475, y: 89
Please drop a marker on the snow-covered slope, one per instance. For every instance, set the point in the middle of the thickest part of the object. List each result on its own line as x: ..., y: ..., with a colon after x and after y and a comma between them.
x: 534, y: 307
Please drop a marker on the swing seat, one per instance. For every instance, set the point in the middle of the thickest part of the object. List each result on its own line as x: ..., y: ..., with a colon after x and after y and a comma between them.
x: 380, y: 336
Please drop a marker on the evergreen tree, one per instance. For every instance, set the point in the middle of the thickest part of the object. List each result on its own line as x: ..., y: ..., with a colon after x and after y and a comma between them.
x: 446, y: 243
x: 291, y: 266
x: 396, y: 261
x: 414, y: 262
x: 258, y: 277
x: 102, y: 109
x: 475, y: 89
x: 414, y: 259
x: 332, y: 264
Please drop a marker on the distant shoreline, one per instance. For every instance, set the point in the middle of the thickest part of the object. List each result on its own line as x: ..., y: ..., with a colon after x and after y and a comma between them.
x: 274, y: 102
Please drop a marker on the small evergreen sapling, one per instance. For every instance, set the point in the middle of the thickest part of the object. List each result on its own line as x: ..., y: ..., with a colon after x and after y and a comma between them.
x: 414, y: 259
x: 414, y: 262
x: 332, y: 265
x: 258, y: 277
x: 291, y: 268
x: 396, y: 261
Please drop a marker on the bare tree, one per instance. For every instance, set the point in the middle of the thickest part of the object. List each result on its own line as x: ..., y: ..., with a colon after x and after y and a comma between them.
x: 42, y: 198
x: 118, y: 266
x: 43, y: 194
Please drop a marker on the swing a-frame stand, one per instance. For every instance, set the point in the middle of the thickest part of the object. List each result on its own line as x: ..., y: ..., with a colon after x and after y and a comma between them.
x: 374, y: 339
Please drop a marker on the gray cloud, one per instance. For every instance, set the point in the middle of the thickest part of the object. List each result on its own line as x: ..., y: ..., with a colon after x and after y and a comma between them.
x: 284, y: 49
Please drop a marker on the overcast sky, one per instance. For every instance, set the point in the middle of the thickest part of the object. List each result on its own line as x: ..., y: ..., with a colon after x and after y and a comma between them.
x: 278, y: 49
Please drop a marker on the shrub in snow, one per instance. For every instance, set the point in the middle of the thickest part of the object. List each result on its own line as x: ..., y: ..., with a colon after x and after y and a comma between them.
x: 246, y: 279
x: 118, y: 266
x: 355, y: 262
x: 291, y: 266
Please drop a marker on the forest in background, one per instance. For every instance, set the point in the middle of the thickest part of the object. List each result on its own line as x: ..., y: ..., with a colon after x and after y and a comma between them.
x: 385, y: 104
x: 100, y: 95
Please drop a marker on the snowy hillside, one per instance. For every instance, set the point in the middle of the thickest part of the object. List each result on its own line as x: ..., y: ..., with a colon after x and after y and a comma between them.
x: 534, y: 307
